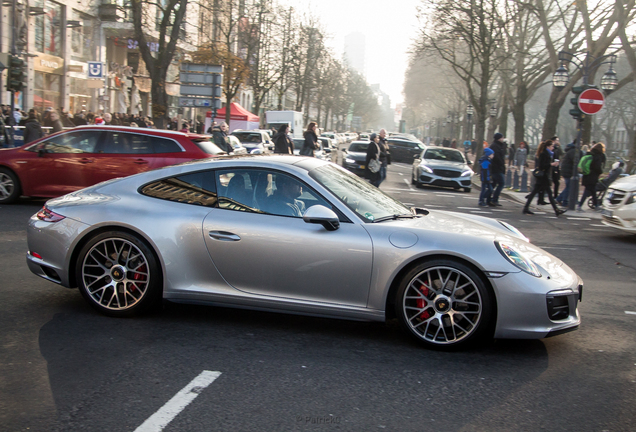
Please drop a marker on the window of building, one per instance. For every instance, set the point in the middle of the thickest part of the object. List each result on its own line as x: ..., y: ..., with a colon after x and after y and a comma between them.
x: 48, y: 28
x: 46, y: 91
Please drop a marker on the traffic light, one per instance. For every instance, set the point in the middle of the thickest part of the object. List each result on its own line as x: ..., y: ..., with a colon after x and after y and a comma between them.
x: 17, y: 74
x: 575, y: 112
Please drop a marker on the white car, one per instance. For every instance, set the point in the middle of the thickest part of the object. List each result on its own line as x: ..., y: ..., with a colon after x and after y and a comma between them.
x: 619, y: 205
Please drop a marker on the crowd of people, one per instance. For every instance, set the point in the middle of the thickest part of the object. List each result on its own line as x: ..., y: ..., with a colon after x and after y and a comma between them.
x: 54, y: 120
x: 551, y: 165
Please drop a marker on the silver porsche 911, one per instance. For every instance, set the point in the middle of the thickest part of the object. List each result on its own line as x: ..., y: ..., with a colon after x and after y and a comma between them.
x: 299, y: 235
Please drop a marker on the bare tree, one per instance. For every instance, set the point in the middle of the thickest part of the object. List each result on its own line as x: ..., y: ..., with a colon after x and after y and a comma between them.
x: 171, y: 15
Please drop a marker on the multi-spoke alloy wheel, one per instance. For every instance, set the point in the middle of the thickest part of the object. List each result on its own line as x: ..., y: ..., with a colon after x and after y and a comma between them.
x: 116, y: 274
x: 443, y: 303
x: 9, y: 186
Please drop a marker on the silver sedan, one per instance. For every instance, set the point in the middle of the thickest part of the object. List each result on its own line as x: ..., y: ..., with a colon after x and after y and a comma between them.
x: 299, y: 235
x: 440, y: 166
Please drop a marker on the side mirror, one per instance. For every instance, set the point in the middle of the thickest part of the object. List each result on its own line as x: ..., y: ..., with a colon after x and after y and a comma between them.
x: 42, y: 150
x: 327, y: 150
x: 319, y: 214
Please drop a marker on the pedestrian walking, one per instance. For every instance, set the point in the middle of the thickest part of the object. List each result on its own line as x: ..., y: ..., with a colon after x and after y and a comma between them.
x: 219, y: 136
x: 556, y: 172
x: 32, y: 128
x: 486, y: 177
x: 511, y: 155
x: 384, y: 146
x: 56, y: 123
x: 590, y: 178
x: 311, y: 140
x: 282, y: 143
x: 374, y: 152
x: 543, y: 176
x: 521, y: 156
x: 567, y: 171
x: 498, y: 168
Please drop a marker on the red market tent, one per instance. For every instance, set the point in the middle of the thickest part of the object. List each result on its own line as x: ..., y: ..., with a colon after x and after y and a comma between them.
x: 240, y: 118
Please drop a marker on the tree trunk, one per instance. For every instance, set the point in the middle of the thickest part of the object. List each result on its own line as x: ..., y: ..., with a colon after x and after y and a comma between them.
x: 159, y: 98
x: 552, y: 114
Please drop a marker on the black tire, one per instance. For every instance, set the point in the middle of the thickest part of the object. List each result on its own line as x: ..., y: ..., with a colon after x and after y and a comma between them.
x: 439, y: 315
x: 590, y: 203
x: 10, y: 188
x: 118, y: 274
x: 413, y: 181
x: 467, y: 190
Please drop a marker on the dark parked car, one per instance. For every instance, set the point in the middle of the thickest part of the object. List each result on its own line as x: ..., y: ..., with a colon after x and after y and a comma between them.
x: 76, y: 158
x: 355, y: 156
x: 403, y: 149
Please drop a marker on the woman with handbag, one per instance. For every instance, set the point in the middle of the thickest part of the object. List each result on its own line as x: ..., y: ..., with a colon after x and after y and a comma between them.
x: 374, y: 160
x: 311, y: 140
x: 543, y: 176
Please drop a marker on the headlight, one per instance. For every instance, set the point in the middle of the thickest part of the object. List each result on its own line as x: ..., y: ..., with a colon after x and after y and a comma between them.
x: 518, y: 259
x: 466, y: 173
x: 427, y: 169
x: 349, y: 160
x: 631, y: 199
x: 514, y: 230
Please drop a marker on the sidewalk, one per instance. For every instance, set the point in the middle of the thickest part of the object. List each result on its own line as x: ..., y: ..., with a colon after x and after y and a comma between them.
x: 520, y: 197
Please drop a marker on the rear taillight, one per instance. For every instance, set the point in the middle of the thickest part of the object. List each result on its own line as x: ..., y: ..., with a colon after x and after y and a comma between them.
x: 47, y: 215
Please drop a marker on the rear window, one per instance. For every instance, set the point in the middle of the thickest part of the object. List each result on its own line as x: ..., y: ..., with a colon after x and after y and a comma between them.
x: 207, y: 146
x: 164, y: 145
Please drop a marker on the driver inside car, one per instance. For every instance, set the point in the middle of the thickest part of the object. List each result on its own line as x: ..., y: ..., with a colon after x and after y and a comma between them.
x: 284, y: 201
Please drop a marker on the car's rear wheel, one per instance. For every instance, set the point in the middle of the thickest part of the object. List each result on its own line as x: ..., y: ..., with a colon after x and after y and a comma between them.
x: 444, y: 304
x: 9, y: 186
x: 118, y: 274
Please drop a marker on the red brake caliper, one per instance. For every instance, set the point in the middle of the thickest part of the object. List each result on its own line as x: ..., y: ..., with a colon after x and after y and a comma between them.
x: 139, y: 276
x: 421, y: 303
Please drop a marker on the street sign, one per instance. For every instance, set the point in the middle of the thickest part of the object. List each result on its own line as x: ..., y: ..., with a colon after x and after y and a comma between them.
x: 591, y: 101
x: 95, y: 70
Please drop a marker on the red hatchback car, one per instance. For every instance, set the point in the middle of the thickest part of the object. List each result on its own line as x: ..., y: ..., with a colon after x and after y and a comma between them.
x: 76, y: 158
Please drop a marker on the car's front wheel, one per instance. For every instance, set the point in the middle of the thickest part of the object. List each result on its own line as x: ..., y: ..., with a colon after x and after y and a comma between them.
x: 9, y: 186
x: 444, y: 304
x: 467, y: 189
x: 118, y: 274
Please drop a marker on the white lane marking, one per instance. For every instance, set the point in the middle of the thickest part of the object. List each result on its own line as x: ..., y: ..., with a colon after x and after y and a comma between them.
x: 466, y: 208
x: 477, y: 211
x: 577, y: 218
x: 597, y: 225
x: 172, y: 408
x: 630, y: 313
x: 557, y: 247
x: 417, y: 193
x: 593, y: 229
x: 409, y: 204
x: 472, y: 198
x: 401, y: 174
x: 505, y: 211
x: 433, y: 205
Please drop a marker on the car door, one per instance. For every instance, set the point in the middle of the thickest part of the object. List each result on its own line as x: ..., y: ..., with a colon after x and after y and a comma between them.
x: 122, y: 154
x: 396, y: 148
x: 64, y: 163
x: 260, y: 249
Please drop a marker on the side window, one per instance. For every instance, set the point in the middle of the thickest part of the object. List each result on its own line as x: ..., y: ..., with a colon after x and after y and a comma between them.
x: 126, y: 143
x: 262, y: 191
x: 197, y: 188
x: 72, y: 142
x: 164, y: 145
x: 236, y: 189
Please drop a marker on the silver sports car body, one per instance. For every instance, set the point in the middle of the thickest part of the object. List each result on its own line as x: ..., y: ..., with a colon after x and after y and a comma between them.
x: 299, y: 235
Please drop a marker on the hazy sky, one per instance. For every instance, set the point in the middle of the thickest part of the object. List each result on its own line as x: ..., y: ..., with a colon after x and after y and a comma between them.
x: 388, y: 25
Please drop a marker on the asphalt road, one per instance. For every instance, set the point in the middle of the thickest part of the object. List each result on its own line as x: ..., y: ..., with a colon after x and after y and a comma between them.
x: 63, y: 367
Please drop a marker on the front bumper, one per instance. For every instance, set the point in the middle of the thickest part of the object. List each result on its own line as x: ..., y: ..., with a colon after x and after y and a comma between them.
x: 426, y: 178
x: 535, y: 308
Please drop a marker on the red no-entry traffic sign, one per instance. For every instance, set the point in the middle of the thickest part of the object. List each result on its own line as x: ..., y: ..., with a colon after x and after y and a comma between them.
x: 591, y: 101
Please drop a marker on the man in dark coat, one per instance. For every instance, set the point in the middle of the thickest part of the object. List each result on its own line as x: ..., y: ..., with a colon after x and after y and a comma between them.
x: 498, y: 168
x: 32, y: 128
x: 590, y: 179
x: 282, y: 143
x: 219, y: 135
x: 567, y: 169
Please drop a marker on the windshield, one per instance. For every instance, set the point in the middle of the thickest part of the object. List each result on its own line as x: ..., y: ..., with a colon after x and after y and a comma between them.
x: 249, y: 137
x: 444, y: 154
x: 362, y: 148
x: 369, y: 202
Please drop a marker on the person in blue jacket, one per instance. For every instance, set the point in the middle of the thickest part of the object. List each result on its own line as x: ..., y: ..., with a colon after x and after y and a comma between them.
x: 486, y: 177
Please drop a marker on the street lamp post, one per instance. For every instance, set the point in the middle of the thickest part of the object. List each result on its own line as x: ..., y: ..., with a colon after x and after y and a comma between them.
x: 560, y: 79
x: 469, y: 116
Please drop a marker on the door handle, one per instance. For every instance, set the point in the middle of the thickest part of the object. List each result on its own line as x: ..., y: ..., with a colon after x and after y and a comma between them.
x: 86, y: 160
x: 224, y: 236
x: 141, y: 161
